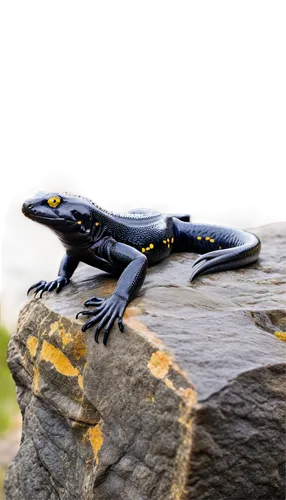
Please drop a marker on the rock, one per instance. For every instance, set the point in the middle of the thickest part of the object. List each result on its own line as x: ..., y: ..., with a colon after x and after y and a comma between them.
x: 187, y: 403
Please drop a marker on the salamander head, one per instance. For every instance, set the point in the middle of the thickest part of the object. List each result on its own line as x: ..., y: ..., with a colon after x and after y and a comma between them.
x: 61, y: 212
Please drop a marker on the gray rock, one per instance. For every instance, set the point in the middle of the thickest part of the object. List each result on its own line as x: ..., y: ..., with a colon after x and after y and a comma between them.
x: 187, y: 403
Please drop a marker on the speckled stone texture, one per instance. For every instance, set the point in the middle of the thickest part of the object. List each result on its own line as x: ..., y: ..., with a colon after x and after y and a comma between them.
x: 187, y: 403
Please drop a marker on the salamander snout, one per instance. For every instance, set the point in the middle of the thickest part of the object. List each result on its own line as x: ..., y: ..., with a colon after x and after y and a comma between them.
x: 27, y: 207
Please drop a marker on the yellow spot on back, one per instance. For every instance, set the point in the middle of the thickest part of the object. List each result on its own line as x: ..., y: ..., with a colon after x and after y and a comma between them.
x: 207, y: 238
x: 151, y: 245
x: 280, y: 336
x: 148, y: 248
x: 168, y: 239
x: 159, y: 364
x: 164, y: 241
x: 199, y: 237
x: 61, y: 363
x: 172, y: 240
x: 79, y: 222
x: 168, y: 245
x: 95, y: 437
x: 143, y: 250
x: 97, y: 223
x: 212, y: 240
x: 32, y: 344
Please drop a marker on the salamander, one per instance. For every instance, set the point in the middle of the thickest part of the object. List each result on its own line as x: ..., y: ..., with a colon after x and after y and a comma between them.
x: 124, y: 245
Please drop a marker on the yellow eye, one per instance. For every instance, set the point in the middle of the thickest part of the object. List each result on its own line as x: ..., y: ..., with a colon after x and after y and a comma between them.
x: 54, y: 201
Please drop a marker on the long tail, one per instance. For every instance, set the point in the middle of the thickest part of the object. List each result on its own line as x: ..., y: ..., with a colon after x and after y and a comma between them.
x: 223, y: 248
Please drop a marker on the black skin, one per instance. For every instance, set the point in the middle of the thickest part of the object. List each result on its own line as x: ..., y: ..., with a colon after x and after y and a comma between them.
x: 124, y: 245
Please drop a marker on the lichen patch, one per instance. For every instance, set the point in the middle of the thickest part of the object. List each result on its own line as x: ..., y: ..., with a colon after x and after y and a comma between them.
x: 159, y: 364
x: 32, y: 344
x: 53, y: 328
x: 95, y: 438
x: 80, y: 381
x: 61, y: 363
x: 36, y: 380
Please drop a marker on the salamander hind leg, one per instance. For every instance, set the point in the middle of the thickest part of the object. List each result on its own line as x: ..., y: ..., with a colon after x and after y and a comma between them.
x: 222, y: 248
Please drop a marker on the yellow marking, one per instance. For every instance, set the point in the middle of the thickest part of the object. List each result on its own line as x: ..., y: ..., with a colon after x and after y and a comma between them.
x: 207, y: 238
x: 54, y: 201
x: 280, y: 336
x: 66, y: 337
x: 199, y: 237
x: 164, y: 241
x: 172, y: 240
x: 36, y: 380
x: 168, y: 245
x: 151, y: 245
x: 189, y: 395
x: 61, y: 363
x: 32, y: 344
x: 148, y: 248
x: 79, y: 346
x: 143, y: 250
x: 97, y: 223
x: 150, y: 397
x: 159, y: 364
x: 80, y: 381
x: 168, y: 240
x: 95, y: 437
x: 212, y: 240
x: 79, y: 222
x: 169, y: 384
x: 53, y: 328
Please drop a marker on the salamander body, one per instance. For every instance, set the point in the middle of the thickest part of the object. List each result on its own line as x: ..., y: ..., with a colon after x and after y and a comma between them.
x: 125, y: 244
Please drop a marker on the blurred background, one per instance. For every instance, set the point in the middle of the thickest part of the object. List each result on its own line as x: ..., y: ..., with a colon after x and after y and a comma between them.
x: 31, y: 252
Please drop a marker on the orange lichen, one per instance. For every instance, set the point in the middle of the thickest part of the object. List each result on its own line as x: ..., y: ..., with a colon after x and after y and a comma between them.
x: 95, y: 438
x: 66, y: 336
x: 159, y: 364
x: 62, y: 364
x: 169, y: 384
x: 79, y: 349
x: 181, y: 469
x: 36, y: 380
x: 53, y: 328
x: 32, y: 344
x: 80, y: 381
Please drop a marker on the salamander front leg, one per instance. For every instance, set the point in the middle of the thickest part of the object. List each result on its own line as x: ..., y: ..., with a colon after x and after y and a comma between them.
x: 134, y: 266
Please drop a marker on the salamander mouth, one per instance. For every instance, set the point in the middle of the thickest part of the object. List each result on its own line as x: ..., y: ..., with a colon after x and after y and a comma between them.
x: 45, y: 219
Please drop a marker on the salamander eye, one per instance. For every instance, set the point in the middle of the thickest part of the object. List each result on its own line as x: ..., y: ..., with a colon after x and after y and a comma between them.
x: 54, y: 201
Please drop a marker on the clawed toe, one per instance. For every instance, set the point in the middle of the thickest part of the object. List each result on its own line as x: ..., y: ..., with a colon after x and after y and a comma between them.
x: 94, y: 301
x: 85, y: 313
x: 121, y: 325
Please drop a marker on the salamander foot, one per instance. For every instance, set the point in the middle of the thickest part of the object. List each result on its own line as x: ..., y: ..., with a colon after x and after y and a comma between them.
x: 106, y: 312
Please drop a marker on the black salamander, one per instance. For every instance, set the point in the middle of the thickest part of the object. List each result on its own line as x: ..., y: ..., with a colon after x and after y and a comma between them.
x: 125, y: 244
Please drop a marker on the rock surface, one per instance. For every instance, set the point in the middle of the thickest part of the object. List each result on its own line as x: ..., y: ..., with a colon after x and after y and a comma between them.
x: 187, y: 403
